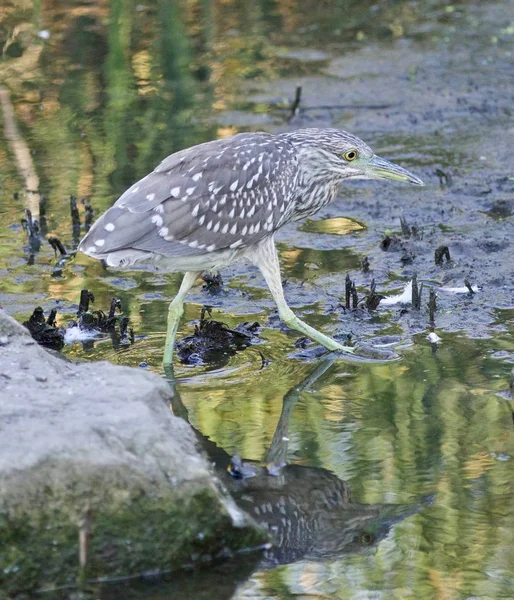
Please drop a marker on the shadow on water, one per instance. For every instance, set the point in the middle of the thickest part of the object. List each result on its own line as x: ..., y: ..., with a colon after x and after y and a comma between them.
x: 308, y: 511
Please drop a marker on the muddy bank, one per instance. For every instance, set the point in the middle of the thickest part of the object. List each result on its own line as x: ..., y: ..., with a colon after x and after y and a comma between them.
x: 97, y: 478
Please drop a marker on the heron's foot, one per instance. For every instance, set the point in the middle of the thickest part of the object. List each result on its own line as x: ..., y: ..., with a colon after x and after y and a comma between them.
x: 293, y: 322
x: 366, y: 354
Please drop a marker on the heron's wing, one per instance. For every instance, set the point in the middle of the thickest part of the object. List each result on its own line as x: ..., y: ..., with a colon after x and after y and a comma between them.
x: 229, y: 193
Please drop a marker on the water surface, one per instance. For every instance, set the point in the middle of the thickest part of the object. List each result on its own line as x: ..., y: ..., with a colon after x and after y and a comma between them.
x: 422, y: 445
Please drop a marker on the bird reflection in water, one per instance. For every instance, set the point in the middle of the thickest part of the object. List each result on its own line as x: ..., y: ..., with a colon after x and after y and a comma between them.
x: 308, y: 511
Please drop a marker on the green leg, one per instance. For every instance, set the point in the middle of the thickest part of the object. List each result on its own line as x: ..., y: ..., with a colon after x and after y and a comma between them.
x: 175, y: 312
x: 266, y: 258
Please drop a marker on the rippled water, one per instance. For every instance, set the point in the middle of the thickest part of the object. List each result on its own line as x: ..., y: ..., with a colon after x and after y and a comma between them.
x: 421, y: 448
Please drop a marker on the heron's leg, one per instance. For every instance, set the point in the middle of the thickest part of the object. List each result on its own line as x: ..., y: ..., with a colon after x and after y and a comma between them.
x: 265, y: 257
x: 175, y: 312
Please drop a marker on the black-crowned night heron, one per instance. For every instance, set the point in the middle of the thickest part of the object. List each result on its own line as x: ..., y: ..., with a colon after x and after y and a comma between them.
x: 207, y: 206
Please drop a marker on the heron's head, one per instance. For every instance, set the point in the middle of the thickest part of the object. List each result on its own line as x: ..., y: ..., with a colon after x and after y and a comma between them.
x: 340, y: 155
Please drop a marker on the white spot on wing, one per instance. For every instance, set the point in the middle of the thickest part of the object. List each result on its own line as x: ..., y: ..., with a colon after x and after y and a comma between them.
x: 233, y: 186
x: 100, y: 242
x: 190, y: 190
x: 195, y: 210
x: 224, y: 228
x: 150, y: 197
x: 236, y: 244
x: 157, y: 220
x: 197, y: 176
x: 109, y: 227
x: 175, y: 192
x: 135, y: 190
x: 233, y: 231
x: 211, y: 248
x: 163, y: 231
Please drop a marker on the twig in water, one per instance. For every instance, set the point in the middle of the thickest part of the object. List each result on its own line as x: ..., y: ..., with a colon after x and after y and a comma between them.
x: 51, y: 320
x: 56, y: 244
x: 339, y: 107
x: 31, y: 227
x: 405, y: 227
x: 264, y: 361
x: 75, y: 218
x: 365, y: 264
x: 89, y: 213
x: 355, y: 298
x: 351, y: 299
x: 347, y: 291
x: 445, y: 179
x: 416, y: 292
x: 295, y: 106
x: 115, y: 304
x: 85, y: 298
x: 373, y: 299
x: 468, y: 285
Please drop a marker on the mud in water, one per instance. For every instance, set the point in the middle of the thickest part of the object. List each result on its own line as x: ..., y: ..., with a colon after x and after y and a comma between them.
x: 428, y: 85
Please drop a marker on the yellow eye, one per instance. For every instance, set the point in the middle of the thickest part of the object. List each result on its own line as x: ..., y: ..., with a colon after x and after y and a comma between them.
x: 350, y: 155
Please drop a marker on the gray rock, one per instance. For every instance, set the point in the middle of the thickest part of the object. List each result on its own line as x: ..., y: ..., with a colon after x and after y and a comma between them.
x: 91, y: 457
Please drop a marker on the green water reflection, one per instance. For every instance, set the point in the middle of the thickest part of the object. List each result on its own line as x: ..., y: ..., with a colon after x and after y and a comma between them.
x: 117, y: 86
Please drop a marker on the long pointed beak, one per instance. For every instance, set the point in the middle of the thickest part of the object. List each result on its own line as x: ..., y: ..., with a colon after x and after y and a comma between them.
x: 383, y: 169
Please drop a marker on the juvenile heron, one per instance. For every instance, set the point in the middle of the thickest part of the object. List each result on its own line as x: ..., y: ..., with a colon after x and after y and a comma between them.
x: 207, y: 206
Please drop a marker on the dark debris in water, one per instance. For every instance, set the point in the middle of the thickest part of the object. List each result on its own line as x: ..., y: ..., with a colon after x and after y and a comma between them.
x: 441, y: 254
x: 213, y: 283
x: 33, y: 231
x: 445, y: 179
x: 48, y: 334
x: 212, y: 339
x: 408, y: 230
x: 370, y: 301
x: 45, y: 331
x: 392, y: 244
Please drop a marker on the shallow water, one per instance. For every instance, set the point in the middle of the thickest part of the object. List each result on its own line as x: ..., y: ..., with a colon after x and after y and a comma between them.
x: 425, y: 444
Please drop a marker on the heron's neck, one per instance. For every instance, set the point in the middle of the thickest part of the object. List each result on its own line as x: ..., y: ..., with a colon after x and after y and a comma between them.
x: 316, y: 188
